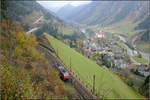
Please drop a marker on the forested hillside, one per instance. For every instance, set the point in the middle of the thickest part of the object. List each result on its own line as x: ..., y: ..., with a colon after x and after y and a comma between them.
x: 144, y: 24
x: 28, y: 58
x: 30, y: 14
x: 143, y: 42
x: 25, y: 73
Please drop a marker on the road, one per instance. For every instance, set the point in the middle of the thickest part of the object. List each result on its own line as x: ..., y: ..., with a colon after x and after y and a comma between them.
x: 36, y: 28
x: 130, y: 51
x: 32, y: 30
x: 144, y: 55
x: 38, y: 20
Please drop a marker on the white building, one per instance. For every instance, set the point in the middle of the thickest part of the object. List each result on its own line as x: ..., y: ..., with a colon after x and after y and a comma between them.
x: 100, y: 34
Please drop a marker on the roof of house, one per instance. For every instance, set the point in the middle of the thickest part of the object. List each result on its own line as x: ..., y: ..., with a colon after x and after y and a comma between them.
x: 100, y: 33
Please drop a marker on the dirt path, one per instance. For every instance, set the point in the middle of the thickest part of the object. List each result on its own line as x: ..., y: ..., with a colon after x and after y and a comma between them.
x: 32, y: 30
x: 144, y: 55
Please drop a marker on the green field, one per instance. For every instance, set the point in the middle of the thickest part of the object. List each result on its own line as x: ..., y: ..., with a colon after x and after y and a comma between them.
x: 66, y: 31
x: 124, y: 27
x: 108, y: 84
x: 140, y: 60
x: 143, y: 46
x: 121, y: 45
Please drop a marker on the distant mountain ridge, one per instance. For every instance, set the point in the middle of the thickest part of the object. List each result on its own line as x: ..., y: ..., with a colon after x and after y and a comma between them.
x: 106, y: 12
x: 122, y: 17
x: 67, y: 8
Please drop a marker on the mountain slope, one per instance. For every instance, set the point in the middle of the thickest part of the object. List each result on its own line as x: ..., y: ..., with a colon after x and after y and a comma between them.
x: 25, y: 73
x: 30, y: 14
x: 67, y: 8
x: 108, y: 12
x: 124, y: 17
x: 144, y: 24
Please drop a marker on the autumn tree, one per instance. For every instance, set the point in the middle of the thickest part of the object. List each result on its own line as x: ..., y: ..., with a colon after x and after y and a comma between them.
x: 25, y: 73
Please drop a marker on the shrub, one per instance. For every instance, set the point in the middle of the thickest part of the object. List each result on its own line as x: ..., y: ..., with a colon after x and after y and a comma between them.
x: 15, y: 84
x: 26, y: 73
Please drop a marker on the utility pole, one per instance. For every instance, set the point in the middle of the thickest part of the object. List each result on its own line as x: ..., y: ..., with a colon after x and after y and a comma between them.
x: 57, y: 51
x: 70, y: 63
x: 102, y: 37
x: 149, y: 53
x: 149, y: 40
x: 93, y: 83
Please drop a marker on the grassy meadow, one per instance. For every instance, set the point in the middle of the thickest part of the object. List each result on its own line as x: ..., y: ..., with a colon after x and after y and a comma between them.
x: 108, y: 84
x: 143, y: 46
x: 140, y: 60
x: 66, y: 31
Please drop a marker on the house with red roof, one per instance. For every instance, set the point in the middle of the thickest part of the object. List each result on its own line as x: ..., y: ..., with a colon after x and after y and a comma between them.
x: 99, y: 34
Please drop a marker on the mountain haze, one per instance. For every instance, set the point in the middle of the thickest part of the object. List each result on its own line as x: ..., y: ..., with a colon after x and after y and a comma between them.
x: 67, y: 8
x: 107, y: 12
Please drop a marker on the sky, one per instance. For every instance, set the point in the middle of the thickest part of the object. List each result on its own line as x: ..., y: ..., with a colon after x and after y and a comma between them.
x: 55, y: 5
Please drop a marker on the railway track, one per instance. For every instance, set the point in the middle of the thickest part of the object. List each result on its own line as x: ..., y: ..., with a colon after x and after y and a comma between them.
x: 51, y: 61
x: 82, y: 92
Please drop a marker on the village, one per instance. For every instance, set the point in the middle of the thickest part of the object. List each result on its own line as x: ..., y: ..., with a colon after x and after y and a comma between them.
x: 106, y: 50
